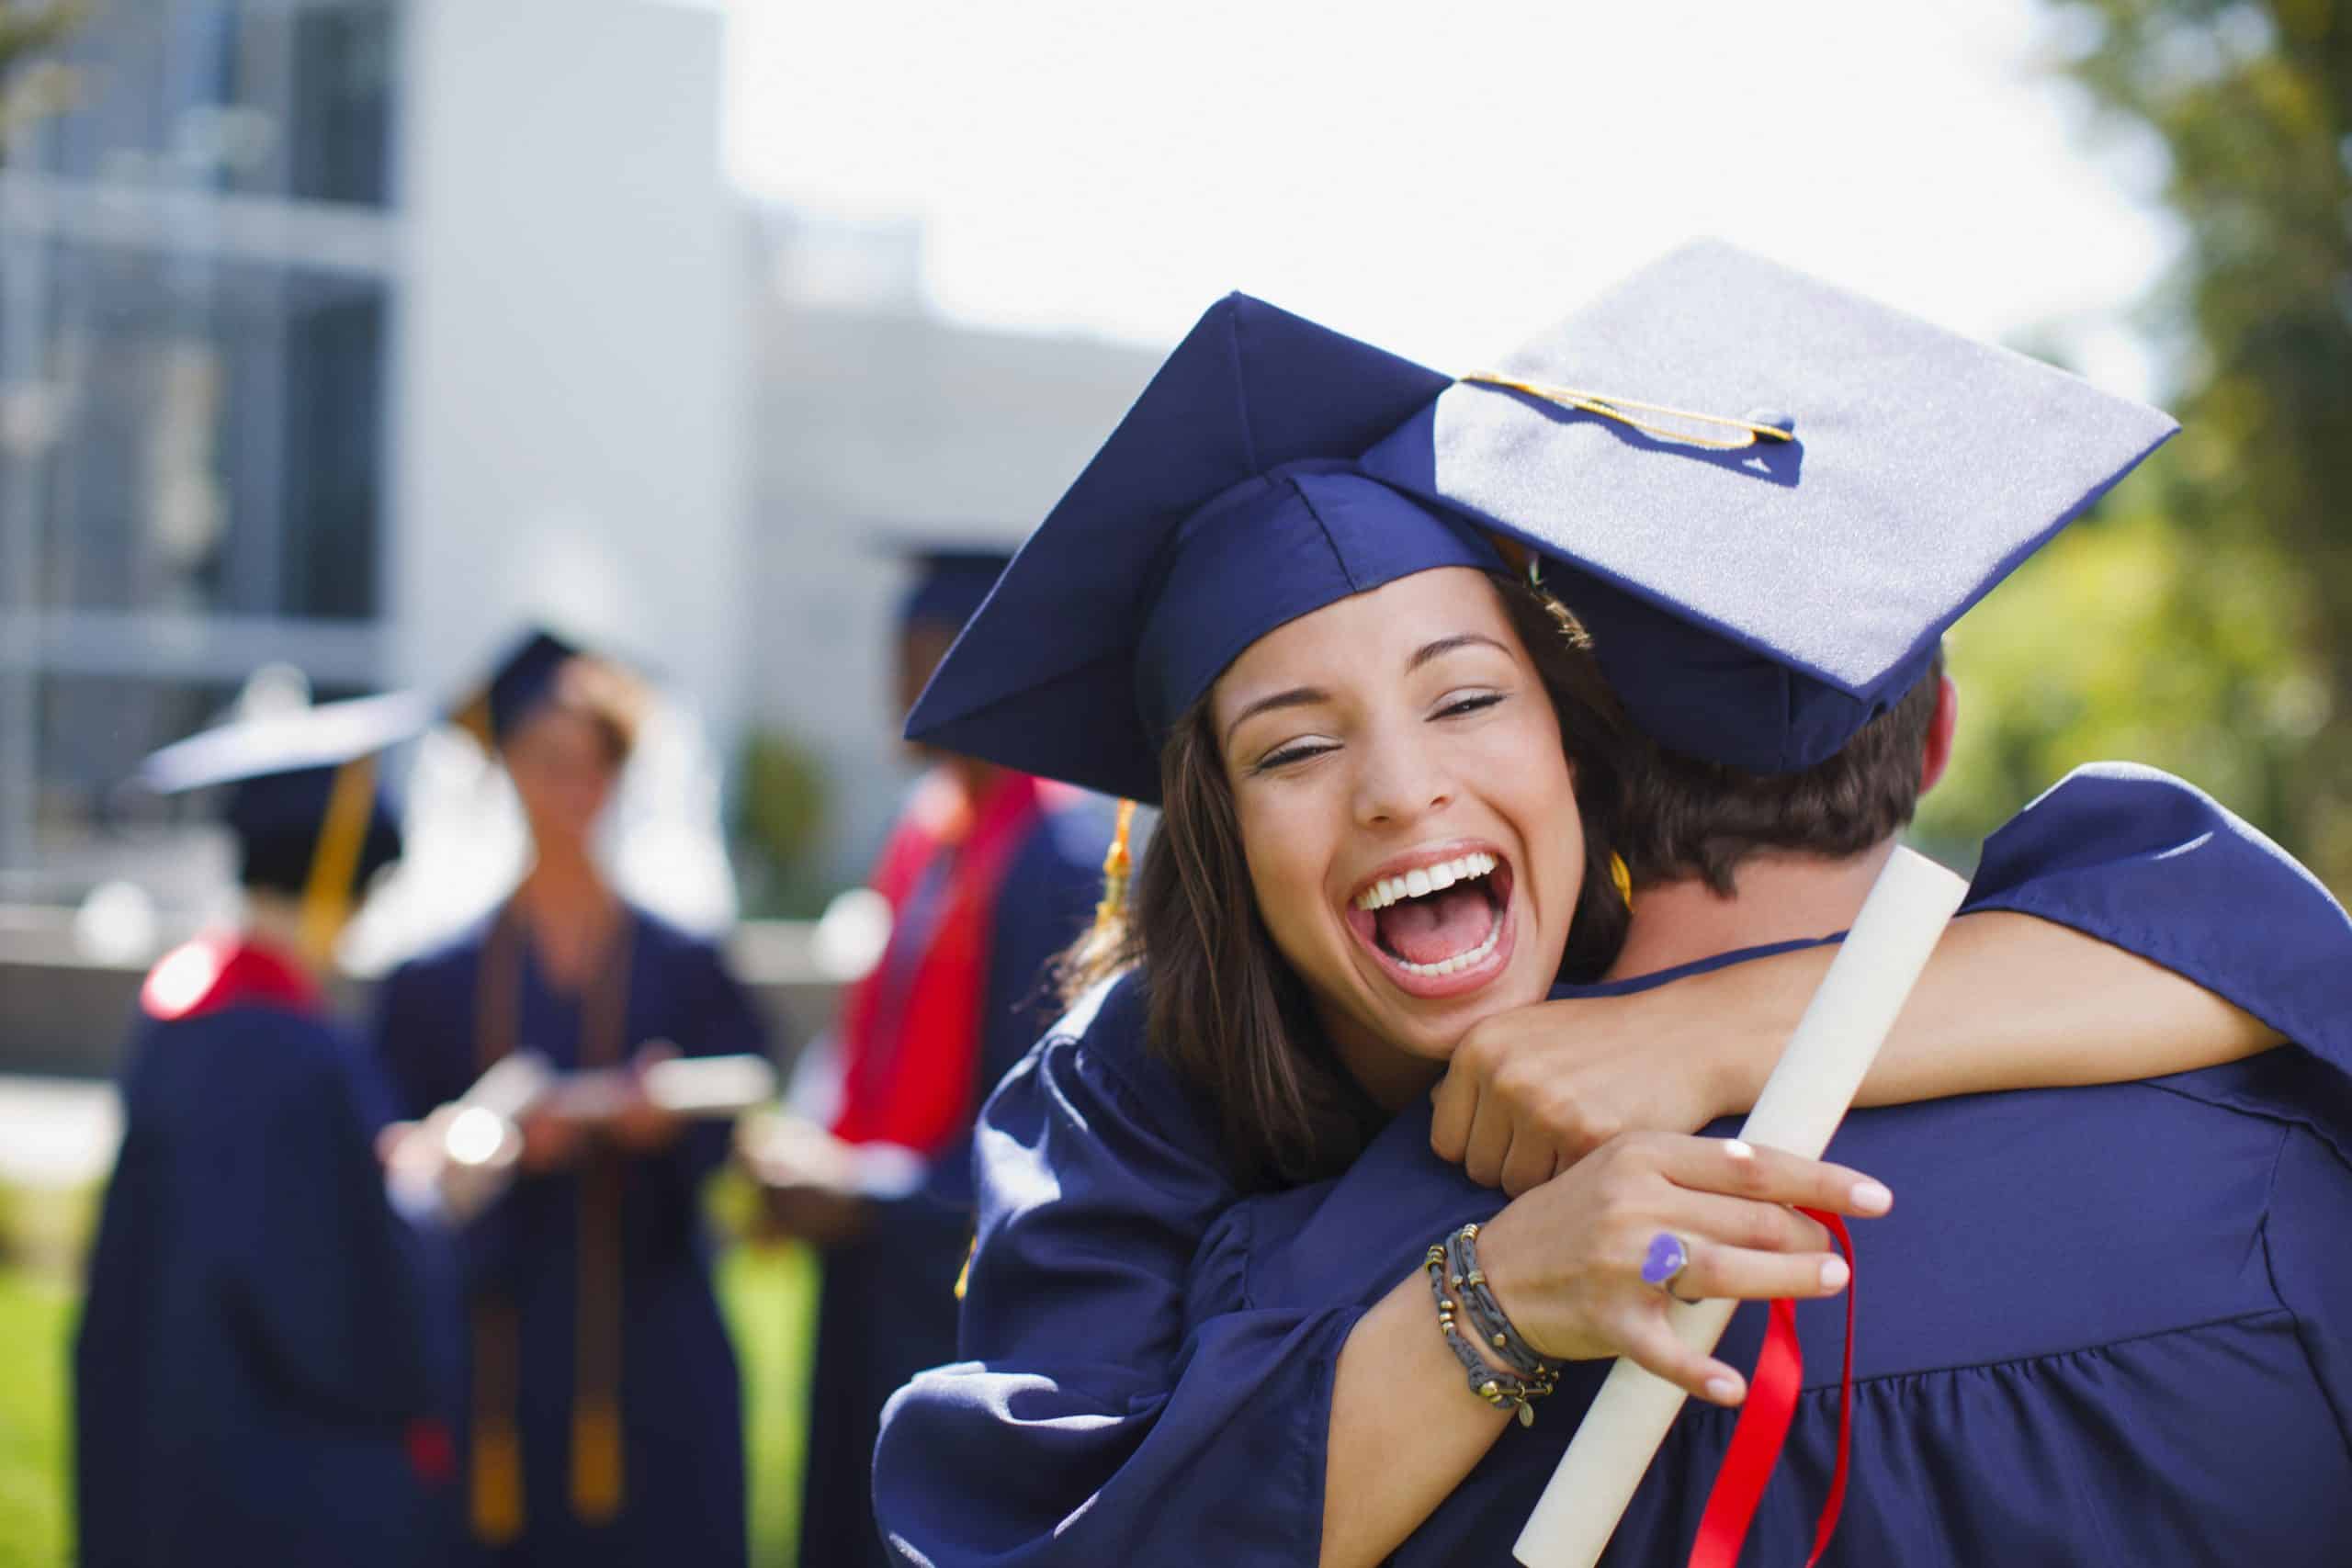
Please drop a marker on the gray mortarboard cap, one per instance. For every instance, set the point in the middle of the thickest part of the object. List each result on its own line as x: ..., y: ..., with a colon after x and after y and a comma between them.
x: 1755, y: 601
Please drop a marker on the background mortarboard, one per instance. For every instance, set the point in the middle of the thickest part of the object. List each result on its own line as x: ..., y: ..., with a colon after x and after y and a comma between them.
x: 524, y: 677
x: 948, y: 581
x: 1756, y: 607
x: 1222, y: 506
x: 304, y: 803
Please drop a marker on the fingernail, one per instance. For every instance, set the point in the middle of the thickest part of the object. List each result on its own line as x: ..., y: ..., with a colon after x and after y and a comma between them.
x: 1834, y: 1273
x: 1738, y: 1150
x: 1870, y: 1198
x: 1723, y: 1389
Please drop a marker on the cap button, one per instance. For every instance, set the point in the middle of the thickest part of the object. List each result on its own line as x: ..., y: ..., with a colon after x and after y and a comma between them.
x: 1773, y: 419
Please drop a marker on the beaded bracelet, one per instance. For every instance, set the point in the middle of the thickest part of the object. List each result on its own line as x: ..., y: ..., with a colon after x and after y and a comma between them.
x: 1504, y: 1391
x: 1494, y: 1325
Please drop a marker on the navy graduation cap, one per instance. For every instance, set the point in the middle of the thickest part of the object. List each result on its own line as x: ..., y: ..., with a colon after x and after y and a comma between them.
x: 1766, y: 498
x: 950, y: 582
x: 524, y: 677
x: 303, y: 802
x: 1224, y: 505
x: 1762, y: 578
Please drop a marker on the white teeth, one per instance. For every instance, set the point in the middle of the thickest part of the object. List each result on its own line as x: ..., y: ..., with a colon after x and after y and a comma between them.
x: 1424, y: 880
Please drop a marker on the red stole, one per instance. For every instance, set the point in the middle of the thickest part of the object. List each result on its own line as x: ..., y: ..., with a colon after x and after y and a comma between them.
x: 910, y: 1028
x: 221, y: 971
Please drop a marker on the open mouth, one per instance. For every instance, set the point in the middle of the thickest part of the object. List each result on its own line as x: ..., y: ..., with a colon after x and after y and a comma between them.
x: 1440, y: 928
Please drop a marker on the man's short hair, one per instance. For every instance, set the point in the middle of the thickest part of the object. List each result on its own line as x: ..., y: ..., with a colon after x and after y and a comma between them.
x: 1692, y: 818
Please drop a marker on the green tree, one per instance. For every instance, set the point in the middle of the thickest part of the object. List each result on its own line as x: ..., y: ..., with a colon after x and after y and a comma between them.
x: 30, y: 85
x: 2203, y: 622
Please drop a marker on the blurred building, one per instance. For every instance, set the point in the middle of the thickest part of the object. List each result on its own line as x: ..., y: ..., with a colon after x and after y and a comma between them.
x: 344, y: 333
x: 878, y: 423
x: 347, y: 332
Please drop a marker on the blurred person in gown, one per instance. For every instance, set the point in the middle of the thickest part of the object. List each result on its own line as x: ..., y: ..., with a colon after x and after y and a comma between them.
x: 601, y: 1419
x: 988, y: 874
x: 262, y: 1365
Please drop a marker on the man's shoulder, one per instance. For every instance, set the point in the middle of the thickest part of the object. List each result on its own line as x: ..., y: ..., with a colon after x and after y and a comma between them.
x: 2066, y: 1218
x: 1069, y: 835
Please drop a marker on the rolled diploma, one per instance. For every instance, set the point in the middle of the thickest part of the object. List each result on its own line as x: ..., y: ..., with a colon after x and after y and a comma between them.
x: 713, y: 1086
x: 709, y: 1088
x: 466, y: 1161
x: 1807, y: 1095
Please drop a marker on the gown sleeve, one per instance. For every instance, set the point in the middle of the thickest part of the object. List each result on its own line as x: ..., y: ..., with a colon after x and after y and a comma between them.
x: 112, y: 1394
x: 721, y: 1021
x: 422, y: 1036
x: 326, y: 1281
x: 1040, y: 1465
x: 2304, y: 1234
x: 1085, y: 1426
x: 2155, y: 866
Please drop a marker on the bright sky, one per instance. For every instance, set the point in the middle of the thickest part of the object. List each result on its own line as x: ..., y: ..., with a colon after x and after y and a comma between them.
x: 1446, y: 179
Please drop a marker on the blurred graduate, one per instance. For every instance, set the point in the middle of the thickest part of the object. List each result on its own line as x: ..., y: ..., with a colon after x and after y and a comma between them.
x: 257, y: 1371
x: 989, y: 874
x: 602, y: 1415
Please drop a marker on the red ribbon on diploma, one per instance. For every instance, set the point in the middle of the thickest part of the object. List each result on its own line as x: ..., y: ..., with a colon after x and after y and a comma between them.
x: 1763, y: 1428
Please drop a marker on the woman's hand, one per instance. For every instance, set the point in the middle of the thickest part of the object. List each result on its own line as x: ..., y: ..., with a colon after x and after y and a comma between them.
x: 808, y: 1178
x: 638, y: 1125
x: 1530, y: 1091
x: 1564, y: 1262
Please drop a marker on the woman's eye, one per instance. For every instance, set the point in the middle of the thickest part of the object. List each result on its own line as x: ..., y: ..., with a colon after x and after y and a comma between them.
x: 1284, y: 756
x: 1458, y: 706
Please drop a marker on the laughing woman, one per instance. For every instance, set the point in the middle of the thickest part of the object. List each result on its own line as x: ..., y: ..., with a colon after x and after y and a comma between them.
x: 1388, y: 784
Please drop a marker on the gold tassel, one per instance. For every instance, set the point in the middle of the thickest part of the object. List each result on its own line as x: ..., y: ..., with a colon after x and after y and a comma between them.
x: 595, y: 1458
x: 494, y: 1489
x: 1621, y: 876
x: 1116, y: 867
x: 963, y: 1275
x: 335, y: 858
x: 497, y: 1490
x: 1629, y: 410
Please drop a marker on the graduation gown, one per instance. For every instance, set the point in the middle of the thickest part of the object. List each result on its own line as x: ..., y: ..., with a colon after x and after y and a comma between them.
x: 887, y: 1307
x: 682, y: 1490
x: 1149, y: 1359
x: 265, y: 1350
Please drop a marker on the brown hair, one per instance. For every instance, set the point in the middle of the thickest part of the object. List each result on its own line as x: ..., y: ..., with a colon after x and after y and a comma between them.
x: 608, y: 696
x: 1228, y: 1012
x: 1702, y: 819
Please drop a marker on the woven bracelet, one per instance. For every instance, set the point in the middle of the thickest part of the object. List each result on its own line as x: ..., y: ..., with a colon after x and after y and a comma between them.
x: 1493, y: 1327
x: 1504, y: 1391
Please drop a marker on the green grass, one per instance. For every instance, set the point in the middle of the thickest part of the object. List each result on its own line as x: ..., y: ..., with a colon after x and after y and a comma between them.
x: 770, y: 1296
x: 36, y: 1319
x: 768, y: 1293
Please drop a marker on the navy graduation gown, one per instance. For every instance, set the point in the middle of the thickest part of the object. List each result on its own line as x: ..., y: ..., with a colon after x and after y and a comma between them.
x: 266, y: 1347
x: 682, y: 1439
x: 887, y: 1307
x: 1120, y: 1404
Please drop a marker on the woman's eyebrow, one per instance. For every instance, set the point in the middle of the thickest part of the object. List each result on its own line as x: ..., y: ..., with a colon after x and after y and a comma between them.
x: 1296, y: 698
x: 1446, y: 645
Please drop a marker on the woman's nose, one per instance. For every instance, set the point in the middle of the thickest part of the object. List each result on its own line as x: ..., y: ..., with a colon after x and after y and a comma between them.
x: 1400, y: 783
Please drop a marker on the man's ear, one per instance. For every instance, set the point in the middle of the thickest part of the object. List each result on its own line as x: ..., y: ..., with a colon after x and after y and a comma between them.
x: 1937, y: 754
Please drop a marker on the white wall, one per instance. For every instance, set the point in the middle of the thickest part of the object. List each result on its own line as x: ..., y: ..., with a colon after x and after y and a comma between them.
x: 569, y: 377
x: 871, y: 424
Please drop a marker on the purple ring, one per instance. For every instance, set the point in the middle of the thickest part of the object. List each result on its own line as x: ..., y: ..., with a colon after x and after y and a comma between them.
x: 1667, y: 1259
